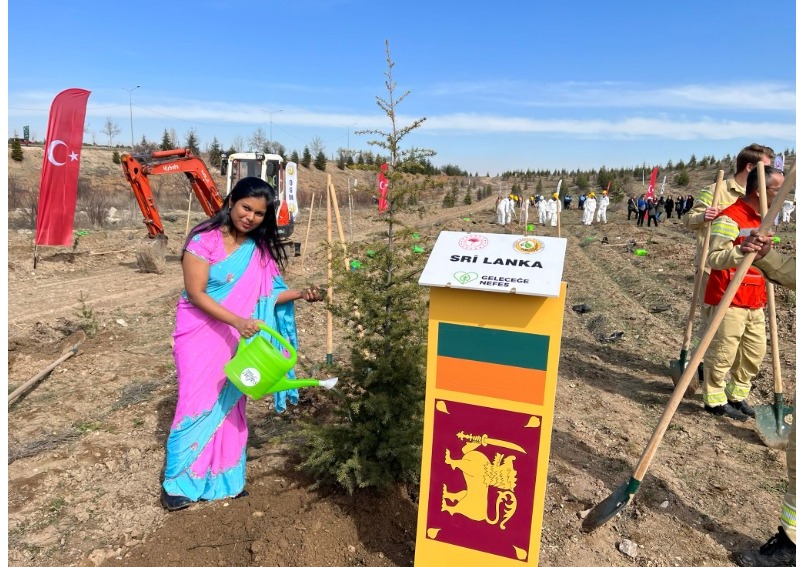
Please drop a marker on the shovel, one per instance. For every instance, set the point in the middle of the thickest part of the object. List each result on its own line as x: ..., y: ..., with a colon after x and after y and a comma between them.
x: 621, y: 496
x: 677, y: 367
x: 773, y: 421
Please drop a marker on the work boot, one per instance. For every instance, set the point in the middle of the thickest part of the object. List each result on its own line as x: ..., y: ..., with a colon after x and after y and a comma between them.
x: 779, y: 551
x: 743, y: 407
x: 727, y: 411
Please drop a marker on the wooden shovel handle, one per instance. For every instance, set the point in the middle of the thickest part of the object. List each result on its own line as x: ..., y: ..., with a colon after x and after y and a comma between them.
x: 692, y: 369
x: 778, y: 387
x: 699, y: 269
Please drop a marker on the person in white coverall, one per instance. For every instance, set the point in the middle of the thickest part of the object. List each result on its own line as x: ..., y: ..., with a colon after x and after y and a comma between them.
x: 502, y: 207
x: 602, y: 205
x: 509, y: 212
x: 589, y: 207
x: 553, y: 206
x: 541, y: 207
x: 787, y: 209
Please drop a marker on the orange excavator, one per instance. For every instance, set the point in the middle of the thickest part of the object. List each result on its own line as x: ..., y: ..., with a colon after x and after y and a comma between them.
x: 137, y: 168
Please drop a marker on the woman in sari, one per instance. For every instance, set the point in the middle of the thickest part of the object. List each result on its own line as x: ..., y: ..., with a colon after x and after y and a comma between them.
x: 231, y: 265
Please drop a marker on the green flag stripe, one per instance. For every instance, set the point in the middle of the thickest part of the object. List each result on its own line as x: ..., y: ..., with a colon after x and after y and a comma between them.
x: 508, y: 348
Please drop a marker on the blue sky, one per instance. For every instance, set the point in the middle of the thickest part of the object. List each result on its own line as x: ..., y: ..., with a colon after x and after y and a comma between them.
x: 505, y: 85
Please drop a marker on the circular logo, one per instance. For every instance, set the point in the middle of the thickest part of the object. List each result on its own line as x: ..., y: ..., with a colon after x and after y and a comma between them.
x: 250, y: 377
x: 473, y: 242
x: 528, y: 245
x: 291, y: 170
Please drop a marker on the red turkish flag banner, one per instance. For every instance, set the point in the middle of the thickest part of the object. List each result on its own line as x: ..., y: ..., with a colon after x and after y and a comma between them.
x: 58, y: 184
x: 650, y: 193
x: 382, y: 187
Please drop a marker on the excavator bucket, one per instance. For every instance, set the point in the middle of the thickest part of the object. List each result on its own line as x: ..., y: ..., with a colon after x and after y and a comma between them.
x: 150, y: 254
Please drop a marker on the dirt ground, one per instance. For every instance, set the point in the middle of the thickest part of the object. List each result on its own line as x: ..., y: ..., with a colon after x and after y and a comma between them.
x: 86, y: 447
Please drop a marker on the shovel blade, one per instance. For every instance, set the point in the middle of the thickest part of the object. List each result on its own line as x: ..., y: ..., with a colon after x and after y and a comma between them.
x: 774, y: 432
x: 610, y: 507
x: 676, y: 371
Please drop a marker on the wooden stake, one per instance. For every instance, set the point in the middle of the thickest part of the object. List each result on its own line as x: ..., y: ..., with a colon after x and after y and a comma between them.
x: 558, y: 214
x: 331, y: 188
x: 309, y: 222
x: 44, y: 373
x: 329, y: 276
x: 189, y: 204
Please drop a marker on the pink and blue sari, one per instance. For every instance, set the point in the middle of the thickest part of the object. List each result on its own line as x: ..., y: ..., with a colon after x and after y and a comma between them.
x: 206, y: 447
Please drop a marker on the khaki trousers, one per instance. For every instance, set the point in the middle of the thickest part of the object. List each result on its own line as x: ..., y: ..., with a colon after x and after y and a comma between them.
x: 738, y: 347
x: 789, y: 502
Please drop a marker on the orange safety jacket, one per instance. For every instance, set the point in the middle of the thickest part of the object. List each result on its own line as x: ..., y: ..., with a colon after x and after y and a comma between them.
x: 751, y: 294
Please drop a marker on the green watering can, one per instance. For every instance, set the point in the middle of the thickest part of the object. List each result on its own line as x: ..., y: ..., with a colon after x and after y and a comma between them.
x: 259, y: 368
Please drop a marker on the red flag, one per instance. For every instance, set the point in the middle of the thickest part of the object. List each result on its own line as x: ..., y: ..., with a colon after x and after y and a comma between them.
x: 382, y: 184
x: 59, y: 182
x: 652, y: 184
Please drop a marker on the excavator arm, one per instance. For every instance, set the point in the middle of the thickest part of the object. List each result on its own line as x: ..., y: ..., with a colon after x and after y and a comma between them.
x: 138, y: 167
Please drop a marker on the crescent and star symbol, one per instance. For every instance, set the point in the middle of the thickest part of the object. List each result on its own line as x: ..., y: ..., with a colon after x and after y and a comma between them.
x: 52, y: 146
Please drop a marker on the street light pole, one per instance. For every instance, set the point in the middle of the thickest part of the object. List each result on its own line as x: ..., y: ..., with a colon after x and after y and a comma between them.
x: 131, y: 114
x: 348, y: 147
x: 271, y: 132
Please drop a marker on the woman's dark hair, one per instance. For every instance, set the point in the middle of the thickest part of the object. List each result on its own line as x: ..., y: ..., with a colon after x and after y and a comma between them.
x: 265, y: 234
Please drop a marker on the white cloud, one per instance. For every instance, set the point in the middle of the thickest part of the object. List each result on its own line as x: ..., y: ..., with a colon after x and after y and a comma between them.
x: 766, y: 96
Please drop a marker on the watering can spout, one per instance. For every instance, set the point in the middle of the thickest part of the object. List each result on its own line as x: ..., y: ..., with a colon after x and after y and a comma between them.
x: 259, y: 368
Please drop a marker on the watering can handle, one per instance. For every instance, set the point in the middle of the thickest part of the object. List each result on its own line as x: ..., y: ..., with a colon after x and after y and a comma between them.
x: 277, y: 336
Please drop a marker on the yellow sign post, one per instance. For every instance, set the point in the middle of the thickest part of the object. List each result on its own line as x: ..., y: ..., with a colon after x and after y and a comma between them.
x: 492, y: 365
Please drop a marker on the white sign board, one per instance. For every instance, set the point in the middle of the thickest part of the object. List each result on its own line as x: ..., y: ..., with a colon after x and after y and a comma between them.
x: 505, y: 263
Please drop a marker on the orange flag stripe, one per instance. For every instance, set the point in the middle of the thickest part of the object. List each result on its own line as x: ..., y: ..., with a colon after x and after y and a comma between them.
x: 491, y: 380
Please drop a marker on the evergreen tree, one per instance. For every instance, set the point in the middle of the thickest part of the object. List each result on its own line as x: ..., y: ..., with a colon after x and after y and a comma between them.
x: 307, y: 158
x: 467, y: 198
x: 16, y: 150
x: 294, y: 157
x: 215, y: 153
x: 320, y: 161
x: 191, y: 141
x: 683, y: 179
x: 116, y: 157
x: 166, y: 144
x: 341, y: 161
x: 375, y: 438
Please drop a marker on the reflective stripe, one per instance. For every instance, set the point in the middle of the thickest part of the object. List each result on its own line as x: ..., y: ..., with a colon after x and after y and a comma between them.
x: 705, y: 197
x: 725, y: 227
x: 735, y: 392
x: 715, y: 399
x: 788, y: 515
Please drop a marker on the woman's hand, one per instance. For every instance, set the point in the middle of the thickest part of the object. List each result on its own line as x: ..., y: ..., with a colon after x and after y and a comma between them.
x: 311, y: 294
x: 247, y: 327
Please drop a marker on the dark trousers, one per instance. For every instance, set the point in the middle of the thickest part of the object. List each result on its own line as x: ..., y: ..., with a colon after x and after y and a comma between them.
x: 681, y: 212
x: 652, y: 217
x: 636, y: 213
x: 641, y: 217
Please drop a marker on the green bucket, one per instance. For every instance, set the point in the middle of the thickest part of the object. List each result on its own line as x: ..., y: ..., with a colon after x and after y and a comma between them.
x: 530, y: 227
x: 259, y: 368
x: 641, y: 252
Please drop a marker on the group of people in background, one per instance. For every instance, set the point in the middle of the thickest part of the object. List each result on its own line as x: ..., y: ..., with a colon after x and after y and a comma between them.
x: 651, y: 208
x: 546, y: 209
